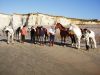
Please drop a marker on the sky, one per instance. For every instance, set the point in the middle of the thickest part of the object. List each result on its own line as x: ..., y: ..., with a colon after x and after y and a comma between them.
x: 83, y: 9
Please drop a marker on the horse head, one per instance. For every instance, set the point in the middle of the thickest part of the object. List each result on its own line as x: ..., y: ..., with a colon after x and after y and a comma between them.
x: 85, y: 32
x: 58, y: 25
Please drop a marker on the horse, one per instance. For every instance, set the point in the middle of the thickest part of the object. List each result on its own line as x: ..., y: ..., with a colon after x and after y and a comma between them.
x: 18, y: 33
x: 38, y: 33
x: 38, y: 29
x: 89, y: 36
x: 78, y: 34
x: 64, y: 32
x: 46, y: 35
x: 10, y: 34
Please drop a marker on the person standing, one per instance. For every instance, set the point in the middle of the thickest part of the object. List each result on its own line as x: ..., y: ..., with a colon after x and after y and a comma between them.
x: 42, y: 33
x: 23, y: 33
x: 32, y: 33
x: 52, y: 35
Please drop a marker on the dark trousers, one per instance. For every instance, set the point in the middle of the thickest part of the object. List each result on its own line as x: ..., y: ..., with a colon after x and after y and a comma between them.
x: 46, y: 38
x: 23, y: 38
x: 33, y: 38
x: 52, y: 37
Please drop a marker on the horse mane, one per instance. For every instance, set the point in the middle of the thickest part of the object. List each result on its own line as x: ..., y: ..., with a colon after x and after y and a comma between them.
x: 61, y: 26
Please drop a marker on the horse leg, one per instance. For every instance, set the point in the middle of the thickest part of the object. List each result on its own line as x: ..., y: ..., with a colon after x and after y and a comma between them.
x: 64, y: 40
x: 79, y: 43
x: 50, y: 41
x: 45, y: 39
x: 37, y: 38
x: 12, y: 38
x: 72, y: 41
x: 90, y: 39
x: 87, y: 44
x: 19, y: 37
x: 61, y: 40
x: 94, y: 41
x: 15, y: 34
x: 8, y: 38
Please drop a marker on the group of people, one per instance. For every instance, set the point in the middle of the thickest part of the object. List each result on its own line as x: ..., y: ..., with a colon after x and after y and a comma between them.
x: 38, y: 35
x: 42, y: 35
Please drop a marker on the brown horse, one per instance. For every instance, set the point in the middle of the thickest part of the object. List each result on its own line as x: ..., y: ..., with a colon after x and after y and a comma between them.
x: 38, y: 29
x: 46, y: 35
x: 64, y: 32
x: 38, y: 33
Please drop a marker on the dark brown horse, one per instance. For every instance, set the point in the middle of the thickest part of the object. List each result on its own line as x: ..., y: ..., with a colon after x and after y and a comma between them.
x: 64, y: 32
x: 46, y: 35
x: 38, y: 33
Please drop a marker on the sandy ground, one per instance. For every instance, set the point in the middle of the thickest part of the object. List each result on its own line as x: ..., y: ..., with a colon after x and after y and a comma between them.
x: 30, y: 59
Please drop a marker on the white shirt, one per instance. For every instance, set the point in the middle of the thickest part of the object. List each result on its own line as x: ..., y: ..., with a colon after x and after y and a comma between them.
x: 52, y: 31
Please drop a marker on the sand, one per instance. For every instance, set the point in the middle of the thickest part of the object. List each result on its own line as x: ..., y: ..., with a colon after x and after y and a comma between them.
x: 30, y: 59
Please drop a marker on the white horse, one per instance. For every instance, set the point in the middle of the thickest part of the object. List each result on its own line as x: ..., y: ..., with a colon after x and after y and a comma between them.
x: 10, y: 34
x: 77, y: 31
x: 89, y: 36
